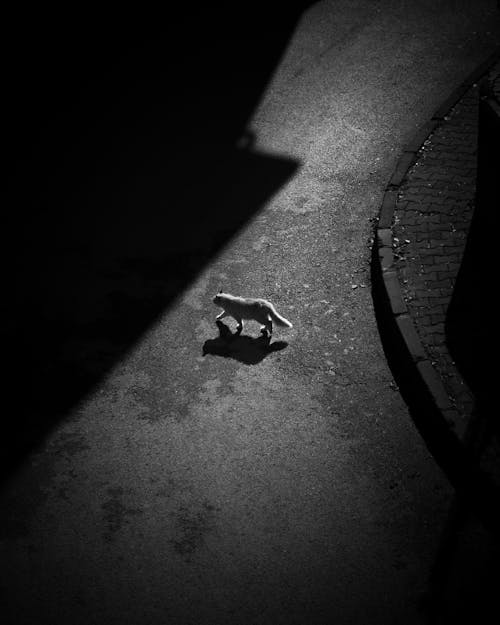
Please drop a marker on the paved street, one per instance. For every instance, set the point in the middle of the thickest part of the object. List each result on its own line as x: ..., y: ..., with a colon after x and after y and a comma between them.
x: 201, y: 480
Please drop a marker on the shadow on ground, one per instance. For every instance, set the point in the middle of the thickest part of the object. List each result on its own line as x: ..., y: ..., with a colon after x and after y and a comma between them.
x: 246, y: 349
x: 129, y: 168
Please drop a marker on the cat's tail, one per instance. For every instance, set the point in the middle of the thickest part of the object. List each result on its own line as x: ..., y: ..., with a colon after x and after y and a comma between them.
x: 278, y: 319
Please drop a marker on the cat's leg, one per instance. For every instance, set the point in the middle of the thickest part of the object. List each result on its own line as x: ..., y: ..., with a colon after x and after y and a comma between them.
x: 239, y: 328
x: 267, y: 327
x: 221, y: 316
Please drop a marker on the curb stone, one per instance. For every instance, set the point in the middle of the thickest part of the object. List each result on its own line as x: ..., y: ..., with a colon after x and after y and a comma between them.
x: 384, y: 268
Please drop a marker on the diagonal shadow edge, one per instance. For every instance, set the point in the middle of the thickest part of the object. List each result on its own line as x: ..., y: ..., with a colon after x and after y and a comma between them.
x: 86, y: 284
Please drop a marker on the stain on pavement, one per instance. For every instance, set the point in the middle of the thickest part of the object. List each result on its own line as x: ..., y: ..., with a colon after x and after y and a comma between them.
x: 116, y: 512
x: 192, y: 527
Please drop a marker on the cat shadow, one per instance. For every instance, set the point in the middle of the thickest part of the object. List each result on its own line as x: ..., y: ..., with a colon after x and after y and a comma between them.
x: 246, y: 349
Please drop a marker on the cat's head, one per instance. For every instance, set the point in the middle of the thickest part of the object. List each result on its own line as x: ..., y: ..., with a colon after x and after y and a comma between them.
x: 217, y: 298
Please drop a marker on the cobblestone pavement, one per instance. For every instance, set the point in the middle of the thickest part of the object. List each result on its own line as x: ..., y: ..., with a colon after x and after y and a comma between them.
x: 431, y: 223
x: 432, y: 218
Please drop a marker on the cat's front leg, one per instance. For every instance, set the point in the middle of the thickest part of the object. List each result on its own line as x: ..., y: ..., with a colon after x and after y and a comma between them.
x: 221, y: 316
x: 267, y: 329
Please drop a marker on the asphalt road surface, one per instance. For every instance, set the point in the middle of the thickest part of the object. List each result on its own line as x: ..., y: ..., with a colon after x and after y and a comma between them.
x: 209, y: 479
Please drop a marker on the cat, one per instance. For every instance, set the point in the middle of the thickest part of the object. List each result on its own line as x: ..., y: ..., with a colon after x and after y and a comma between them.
x: 241, y: 308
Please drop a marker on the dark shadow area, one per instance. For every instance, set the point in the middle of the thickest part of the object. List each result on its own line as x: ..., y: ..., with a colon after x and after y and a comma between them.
x: 126, y: 173
x: 246, y: 349
x: 472, y: 317
x: 465, y: 576
x: 475, y: 488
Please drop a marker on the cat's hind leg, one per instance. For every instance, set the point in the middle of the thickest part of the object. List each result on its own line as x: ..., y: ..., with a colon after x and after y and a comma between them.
x: 239, y: 327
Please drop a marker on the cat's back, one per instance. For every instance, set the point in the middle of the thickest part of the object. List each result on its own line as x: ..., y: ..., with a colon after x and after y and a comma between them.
x: 245, y: 302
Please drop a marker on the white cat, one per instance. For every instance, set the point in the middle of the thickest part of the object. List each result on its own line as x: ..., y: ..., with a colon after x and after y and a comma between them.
x: 241, y: 308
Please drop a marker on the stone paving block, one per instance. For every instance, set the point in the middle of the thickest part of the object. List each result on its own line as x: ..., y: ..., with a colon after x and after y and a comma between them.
x: 386, y: 257
x: 421, y: 302
x: 411, y: 338
x: 443, y: 275
x: 430, y: 276
x: 442, y: 301
x: 442, y: 284
x: 437, y: 322
x: 384, y: 237
x: 436, y: 310
x: 387, y: 210
x: 393, y: 289
x: 434, y: 384
x: 437, y: 293
x: 402, y: 167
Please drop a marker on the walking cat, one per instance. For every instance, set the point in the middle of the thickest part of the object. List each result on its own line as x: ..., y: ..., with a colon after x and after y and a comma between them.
x: 241, y: 308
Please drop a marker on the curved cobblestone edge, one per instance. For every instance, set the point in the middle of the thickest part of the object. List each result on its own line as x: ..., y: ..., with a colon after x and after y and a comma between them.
x: 426, y: 396
x: 385, y: 258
